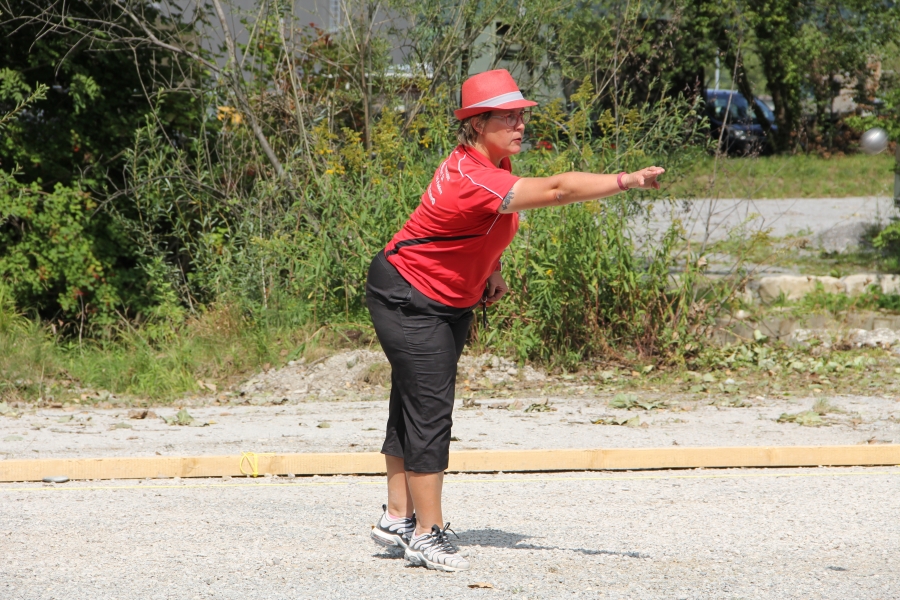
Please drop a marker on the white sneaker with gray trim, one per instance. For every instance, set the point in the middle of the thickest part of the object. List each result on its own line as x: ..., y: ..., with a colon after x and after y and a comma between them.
x: 434, y: 551
x: 393, y: 534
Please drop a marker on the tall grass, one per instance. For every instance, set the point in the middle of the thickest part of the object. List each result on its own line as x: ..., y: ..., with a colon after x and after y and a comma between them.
x: 787, y: 176
x: 218, y: 346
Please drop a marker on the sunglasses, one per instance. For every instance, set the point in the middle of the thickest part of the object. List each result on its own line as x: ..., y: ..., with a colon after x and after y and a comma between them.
x: 512, y: 119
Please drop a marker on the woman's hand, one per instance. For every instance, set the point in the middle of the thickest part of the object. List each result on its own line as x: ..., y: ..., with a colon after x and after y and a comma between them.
x: 644, y: 179
x: 496, y: 288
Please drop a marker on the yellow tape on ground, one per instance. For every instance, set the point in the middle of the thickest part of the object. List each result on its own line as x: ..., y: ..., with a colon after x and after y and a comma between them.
x: 370, y: 463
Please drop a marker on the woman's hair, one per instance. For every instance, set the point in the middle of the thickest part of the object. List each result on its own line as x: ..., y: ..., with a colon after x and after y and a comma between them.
x: 466, y: 134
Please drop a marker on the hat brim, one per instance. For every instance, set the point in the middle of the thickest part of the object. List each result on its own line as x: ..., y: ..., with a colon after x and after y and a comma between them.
x: 465, y: 113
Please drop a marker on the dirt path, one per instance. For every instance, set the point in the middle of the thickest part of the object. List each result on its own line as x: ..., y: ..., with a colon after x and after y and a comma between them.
x: 358, y: 426
x: 834, y: 224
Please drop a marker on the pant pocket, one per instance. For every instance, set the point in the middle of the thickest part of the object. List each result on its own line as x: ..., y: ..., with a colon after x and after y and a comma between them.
x: 386, y: 281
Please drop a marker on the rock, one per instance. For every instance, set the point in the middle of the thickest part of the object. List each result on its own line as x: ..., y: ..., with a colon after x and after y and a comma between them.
x: 859, y: 283
x: 532, y: 374
x: 793, y: 287
x: 55, y: 479
x: 879, y: 338
x: 890, y: 284
x: 746, y: 296
x: 843, y: 237
x: 831, y: 285
x: 803, y: 337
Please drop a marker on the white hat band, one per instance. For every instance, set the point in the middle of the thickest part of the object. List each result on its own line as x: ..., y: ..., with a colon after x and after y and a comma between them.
x: 501, y: 99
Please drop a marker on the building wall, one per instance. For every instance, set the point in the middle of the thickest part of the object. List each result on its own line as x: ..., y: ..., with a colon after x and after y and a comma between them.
x: 329, y: 15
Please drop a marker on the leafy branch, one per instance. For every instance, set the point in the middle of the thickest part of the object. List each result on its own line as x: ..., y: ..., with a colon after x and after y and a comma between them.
x: 39, y: 93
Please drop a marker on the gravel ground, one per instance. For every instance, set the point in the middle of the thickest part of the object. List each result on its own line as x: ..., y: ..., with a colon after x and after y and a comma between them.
x: 358, y: 426
x: 801, y: 533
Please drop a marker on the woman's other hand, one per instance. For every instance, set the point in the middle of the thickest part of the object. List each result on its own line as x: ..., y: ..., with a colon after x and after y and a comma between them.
x: 496, y: 288
x: 643, y: 179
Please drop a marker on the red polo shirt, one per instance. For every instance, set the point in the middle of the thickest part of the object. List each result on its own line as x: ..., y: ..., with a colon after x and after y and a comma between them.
x: 453, y: 240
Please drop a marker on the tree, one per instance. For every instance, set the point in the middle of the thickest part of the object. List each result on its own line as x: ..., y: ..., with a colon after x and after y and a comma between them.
x: 98, y: 93
x: 62, y: 156
x: 805, y: 48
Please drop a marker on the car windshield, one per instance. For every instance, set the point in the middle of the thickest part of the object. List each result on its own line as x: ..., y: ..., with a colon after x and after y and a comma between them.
x: 738, y: 110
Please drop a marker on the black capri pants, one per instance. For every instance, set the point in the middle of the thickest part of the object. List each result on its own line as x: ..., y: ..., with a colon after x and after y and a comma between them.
x: 423, y: 340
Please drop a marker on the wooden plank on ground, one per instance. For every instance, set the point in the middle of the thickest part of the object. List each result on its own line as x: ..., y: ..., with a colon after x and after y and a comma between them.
x: 464, y: 462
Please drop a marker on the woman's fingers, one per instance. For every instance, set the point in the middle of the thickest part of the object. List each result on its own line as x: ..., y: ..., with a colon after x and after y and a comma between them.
x: 495, y: 293
x: 646, y: 178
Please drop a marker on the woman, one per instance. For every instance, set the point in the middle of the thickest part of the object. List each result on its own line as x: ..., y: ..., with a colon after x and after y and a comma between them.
x: 423, y: 287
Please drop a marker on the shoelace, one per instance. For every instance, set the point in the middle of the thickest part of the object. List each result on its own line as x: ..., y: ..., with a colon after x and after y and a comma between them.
x: 440, y: 541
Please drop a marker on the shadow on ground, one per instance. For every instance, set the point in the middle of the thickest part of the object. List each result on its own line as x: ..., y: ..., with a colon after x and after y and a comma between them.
x: 496, y: 538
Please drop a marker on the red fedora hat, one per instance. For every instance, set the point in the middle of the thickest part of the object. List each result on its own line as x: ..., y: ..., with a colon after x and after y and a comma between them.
x: 489, y: 91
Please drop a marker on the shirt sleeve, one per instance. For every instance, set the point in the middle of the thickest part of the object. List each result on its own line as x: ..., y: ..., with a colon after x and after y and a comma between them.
x: 485, y: 189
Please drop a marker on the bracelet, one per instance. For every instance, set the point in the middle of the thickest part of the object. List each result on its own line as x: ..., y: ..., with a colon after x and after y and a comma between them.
x: 619, y: 181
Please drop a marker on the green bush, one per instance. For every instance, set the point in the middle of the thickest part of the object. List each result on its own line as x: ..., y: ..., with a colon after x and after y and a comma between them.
x: 63, y: 258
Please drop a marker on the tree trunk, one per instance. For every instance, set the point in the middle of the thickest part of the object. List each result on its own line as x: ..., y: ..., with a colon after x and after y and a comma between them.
x: 775, y: 28
x: 736, y: 64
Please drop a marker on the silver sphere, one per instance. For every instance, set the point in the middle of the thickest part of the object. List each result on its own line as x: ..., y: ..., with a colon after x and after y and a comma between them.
x: 874, y: 140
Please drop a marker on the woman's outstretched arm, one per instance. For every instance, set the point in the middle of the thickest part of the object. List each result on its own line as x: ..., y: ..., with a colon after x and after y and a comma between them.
x: 566, y: 188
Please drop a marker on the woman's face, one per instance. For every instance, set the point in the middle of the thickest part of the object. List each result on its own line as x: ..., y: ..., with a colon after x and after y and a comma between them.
x: 501, y: 139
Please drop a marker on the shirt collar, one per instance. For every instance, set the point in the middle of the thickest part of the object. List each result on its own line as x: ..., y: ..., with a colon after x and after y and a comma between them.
x: 484, y: 161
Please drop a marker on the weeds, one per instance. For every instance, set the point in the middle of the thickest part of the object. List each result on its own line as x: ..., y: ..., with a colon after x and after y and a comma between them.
x: 812, y: 417
x: 808, y: 418
x: 182, y: 418
x: 541, y: 407
x: 219, y: 345
x: 823, y: 406
x: 624, y: 421
x: 377, y: 374
x: 631, y: 402
x: 820, y: 301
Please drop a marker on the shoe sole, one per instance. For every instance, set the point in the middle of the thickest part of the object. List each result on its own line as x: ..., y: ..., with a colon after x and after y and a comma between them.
x: 418, y: 559
x: 387, y: 540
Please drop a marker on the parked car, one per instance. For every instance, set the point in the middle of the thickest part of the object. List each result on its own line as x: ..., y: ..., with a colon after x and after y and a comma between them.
x: 744, y: 133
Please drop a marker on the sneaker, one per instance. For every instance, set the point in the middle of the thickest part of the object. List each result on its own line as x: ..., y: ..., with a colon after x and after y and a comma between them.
x: 392, y: 534
x: 434, y: 551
